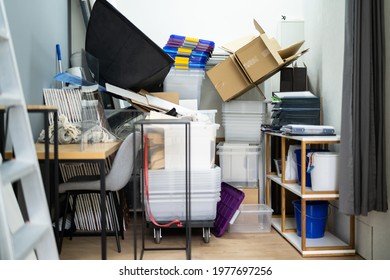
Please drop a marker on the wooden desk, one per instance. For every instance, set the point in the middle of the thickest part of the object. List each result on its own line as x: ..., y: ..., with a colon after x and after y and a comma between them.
x: 73, y: 151
x: 91, y: 152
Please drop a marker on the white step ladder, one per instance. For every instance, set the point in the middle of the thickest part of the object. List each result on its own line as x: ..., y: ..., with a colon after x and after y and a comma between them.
x: 32, y: 238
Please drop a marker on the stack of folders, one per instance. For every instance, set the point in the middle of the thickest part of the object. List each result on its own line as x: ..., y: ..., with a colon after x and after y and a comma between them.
x: 297, y: 107
x: 189, y: 53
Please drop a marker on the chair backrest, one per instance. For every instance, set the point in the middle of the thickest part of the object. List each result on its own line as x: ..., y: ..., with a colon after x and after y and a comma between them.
x: 123, y: 164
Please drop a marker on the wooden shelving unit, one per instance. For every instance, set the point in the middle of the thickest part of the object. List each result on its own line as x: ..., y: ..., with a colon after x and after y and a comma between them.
x: 329, y: 245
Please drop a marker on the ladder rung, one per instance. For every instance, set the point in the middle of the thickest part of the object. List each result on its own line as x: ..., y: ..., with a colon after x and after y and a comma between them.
x: 15, y: 169
x: 8, y: 100
x: 26, y: 239
x: 3, y: 34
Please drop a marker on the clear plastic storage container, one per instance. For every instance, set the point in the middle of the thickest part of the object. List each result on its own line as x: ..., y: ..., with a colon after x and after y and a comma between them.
x: 239, y: 162
x: 252, y: 218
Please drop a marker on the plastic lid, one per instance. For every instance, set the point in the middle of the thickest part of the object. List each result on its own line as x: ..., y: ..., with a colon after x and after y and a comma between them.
x: 325, y: 154
x: 237, y: 145
x: 254, y: 208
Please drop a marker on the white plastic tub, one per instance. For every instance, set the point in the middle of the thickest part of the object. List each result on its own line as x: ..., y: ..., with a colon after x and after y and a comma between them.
x: 162, y: 182
x: 239, y: 162
x: 188, y: 83
x: 202, y: 147
x: 244, y: 107
x: 168, y: 209
x: 203, y: 137
x: 324, y: 175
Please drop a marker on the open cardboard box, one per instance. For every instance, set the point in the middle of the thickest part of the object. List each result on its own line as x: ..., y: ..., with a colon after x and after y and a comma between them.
x: 252, y: 60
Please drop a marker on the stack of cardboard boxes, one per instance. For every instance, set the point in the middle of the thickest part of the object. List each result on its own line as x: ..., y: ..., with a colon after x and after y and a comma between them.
x: 252, y: 61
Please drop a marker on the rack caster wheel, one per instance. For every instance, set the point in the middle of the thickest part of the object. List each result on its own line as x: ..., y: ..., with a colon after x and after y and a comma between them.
x: 157, y: 235
x: 206, y: 235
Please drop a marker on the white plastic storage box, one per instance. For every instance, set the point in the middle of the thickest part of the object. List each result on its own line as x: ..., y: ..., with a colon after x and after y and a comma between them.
x: 210, y: 114
x: 173, y: 144
x: 202, y: 150
x: 239, y: 162
x: 252, y: 218
x: 244, y: 107
x: 325, y: 171
x: 242, y: 120
x: 167, y: 190
x: 188, y: 83
x: 172, y: 182
x: 168, y: 208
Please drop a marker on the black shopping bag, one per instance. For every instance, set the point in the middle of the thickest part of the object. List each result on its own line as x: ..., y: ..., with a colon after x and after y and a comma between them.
x: 127, y: 57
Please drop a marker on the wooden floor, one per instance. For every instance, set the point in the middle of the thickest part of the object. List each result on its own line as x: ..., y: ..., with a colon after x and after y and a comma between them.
x: 237, y: 246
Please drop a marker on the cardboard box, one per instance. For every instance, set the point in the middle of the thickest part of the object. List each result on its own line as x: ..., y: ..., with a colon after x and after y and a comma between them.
x: 253, y: 60
x: 251, y: 195
x: 168, y: 96
x: 228, y: 79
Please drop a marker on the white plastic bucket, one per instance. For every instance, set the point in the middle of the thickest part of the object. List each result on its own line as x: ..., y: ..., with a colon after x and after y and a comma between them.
x: 324, y: 173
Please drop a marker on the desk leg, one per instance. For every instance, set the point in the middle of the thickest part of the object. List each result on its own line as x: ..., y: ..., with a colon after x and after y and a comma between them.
x: 103, y: 208
x: 56, y: 181
x: 2, y: 133
x: 47, y: 159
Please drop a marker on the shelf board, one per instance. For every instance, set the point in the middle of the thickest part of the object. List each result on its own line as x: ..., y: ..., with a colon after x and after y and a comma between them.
x: 310, y: 139
x: 296, y: 189
x: 329, y: 240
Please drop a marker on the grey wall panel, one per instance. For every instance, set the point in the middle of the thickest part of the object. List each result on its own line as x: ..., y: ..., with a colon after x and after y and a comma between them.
x: 36, y: 27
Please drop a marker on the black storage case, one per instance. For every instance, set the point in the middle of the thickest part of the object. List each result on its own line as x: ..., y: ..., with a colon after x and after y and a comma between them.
x: 293, y: 78
x: 127, y: 57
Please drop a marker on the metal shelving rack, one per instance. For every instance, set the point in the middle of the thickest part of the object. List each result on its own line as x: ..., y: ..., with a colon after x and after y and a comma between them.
x: 187, y: 223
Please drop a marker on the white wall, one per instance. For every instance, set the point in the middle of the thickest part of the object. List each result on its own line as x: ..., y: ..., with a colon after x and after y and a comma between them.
x: 218, y: 20
x: 324, y: 34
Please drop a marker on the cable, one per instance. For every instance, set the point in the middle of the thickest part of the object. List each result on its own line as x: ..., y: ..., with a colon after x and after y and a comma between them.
x: 146, y: 166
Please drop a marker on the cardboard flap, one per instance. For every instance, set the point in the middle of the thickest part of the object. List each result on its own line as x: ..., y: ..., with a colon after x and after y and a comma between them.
x: 258, y: 27
x: 273, y: 47
x: 274, y: 43
x: 290, y: 50
x: 287, y: 62
x: 235, y: 45
x: 168, y: 96
x: 295, y: 56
